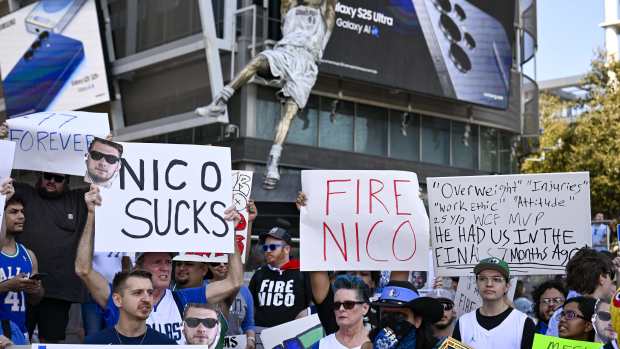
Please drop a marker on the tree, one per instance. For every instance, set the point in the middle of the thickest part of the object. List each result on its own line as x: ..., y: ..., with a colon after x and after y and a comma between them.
x: 589, y: 143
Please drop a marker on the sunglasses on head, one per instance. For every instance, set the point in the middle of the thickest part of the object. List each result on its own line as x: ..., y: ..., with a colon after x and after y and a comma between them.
x: 271, y: 247
x: 348, y: 305
x: 194, y: 322
x: 53, y: 177
x: 110, y: 159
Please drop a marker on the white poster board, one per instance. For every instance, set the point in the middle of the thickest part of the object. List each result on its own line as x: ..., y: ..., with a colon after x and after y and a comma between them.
x: 534, y: 222
x: 91, y: 346
x: 55, y: 141
x: 167, y: 198
x: 307, y: 330
x: 7, y: 149
x: 363, y: 220
x: 235, y: 342
x: 467, y: 298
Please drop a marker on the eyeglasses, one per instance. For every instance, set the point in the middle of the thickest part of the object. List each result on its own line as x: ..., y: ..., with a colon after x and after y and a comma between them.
x: 271, y: 247
x: 493, y: 279
x: 447, y: 305
x: 194, y: 322
x: 217, y: 264
x: 553, y: 301
x: 348, y: 305
x: 603, y: 315
x: 570, y: 315
x: 53, y: 177
x: 110, y: 159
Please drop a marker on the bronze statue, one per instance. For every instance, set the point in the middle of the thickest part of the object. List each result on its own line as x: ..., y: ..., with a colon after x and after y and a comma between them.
x: 306, y: 28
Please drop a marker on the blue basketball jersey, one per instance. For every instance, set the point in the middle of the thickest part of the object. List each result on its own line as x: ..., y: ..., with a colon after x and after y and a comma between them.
x: 13, y: 304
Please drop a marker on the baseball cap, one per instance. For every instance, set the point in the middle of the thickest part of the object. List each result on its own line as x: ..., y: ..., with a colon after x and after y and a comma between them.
x: 191, y: 257
x: 402, y: 294
x: 441, y: 294
x: 277, y: 233
x: 493, y: 263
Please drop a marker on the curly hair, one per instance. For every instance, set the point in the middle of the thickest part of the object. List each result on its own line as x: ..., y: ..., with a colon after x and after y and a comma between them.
x: 584, y: 269
x: 540, y: 289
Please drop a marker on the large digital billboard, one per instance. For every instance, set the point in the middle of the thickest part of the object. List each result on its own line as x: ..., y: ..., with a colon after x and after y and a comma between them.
x: 51, y: 57
x: 458, y: 49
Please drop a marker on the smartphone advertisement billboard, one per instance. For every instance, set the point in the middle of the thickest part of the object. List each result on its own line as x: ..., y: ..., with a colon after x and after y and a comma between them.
x: 51, y: 57
x: 457, y: 49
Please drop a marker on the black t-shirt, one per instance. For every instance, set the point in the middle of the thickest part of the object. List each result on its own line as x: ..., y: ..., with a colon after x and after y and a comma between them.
x: 52, y: 231
x: 326, y: 313
x: 490, y: 322
x: 279, y: 295
x: 110, y: 336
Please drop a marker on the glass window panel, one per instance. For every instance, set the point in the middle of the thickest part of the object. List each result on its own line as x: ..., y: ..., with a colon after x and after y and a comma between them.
x: 507, y: 162
x: 267, y: 113
x: 436, y: 140
x: 488, y: 149
x: 371, y: 130
x: 337, y: 129
x: 464, y: 145
x: 305, y: 125
x: 404, y: 135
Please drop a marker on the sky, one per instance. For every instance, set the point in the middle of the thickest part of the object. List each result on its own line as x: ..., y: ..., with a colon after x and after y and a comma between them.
x: 568, y: 35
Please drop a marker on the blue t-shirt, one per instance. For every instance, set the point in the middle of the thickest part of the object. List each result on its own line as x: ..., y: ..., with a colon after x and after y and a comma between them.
x: 110, y: 336
x: 13, y: 304
x: 166, y: 318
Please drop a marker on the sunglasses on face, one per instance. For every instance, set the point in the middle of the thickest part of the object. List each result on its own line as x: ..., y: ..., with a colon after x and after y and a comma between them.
x: 110, y: 159
x: 217, y: 264
x: 348, y: 305
x: 271, y: 247
x: 193, y: 322
x: 553, y: 301
x: 603, y: 315
x: 570, y: 315
x: 54, y: 177
x: 447, y: 305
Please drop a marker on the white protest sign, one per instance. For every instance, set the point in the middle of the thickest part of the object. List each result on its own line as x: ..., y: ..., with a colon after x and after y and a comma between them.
x: 534, y: 222
x: 241, y: 189
x: 7, y: 149
x: 300, y: 333
x: 167, y: 198
x: 363, y: 220
x: 467, y: 298
x: 55, y: 141
x: 235, y: 342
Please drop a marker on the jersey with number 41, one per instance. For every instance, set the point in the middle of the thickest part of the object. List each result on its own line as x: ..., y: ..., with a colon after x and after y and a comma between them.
x: 13, y: 304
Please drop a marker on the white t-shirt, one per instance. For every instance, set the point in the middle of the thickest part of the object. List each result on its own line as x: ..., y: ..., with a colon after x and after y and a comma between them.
x: 330, y: 342
x: 108, y: 263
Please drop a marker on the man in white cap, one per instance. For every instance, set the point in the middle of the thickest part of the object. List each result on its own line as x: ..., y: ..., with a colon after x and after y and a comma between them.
x: 190, y: 270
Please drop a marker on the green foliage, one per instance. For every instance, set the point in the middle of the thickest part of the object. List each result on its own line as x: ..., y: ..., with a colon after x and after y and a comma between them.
x: 589, y: 143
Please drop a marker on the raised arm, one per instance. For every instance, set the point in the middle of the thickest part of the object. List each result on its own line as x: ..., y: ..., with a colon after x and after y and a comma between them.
x: 95, y: 282
x: 320, y: 286
x: 330, y: 14
x: 218, y: 291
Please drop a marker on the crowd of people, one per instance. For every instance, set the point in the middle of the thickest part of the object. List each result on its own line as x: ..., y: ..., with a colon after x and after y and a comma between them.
x: 47, y: 263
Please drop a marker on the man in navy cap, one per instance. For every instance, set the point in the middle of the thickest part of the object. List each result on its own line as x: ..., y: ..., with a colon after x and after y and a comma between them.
x: 281, y: 292
x: 406, y: 318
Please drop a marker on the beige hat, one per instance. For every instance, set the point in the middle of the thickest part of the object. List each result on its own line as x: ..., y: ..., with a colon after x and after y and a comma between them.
x: 191, y: 257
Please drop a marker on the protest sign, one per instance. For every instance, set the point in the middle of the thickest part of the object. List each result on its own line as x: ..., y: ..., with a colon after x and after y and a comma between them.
x: 451, y: 343
x: 363, y: 220
x: 300, y: 333
x: 7, y: 149
x: 467, y: 297
x: 167, y: 198
x: 91, y: 346
x: 55, y: 142
x: 235, y: 342
x: 550, y: 342
x: 600, y: 235
x: 534, y: 222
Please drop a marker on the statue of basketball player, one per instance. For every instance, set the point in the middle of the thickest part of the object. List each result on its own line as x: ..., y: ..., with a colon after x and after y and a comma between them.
x: 306, y: 28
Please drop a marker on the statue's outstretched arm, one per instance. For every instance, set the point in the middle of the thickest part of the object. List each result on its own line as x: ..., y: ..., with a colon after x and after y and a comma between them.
x: 330, y: 14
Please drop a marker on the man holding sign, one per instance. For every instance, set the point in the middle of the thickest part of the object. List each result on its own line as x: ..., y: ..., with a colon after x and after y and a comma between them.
x: 167, y: 316
x: 495, y: 324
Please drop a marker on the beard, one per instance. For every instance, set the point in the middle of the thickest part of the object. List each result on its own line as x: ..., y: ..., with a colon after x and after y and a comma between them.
x: 49, y: 195
x: 443, y: 326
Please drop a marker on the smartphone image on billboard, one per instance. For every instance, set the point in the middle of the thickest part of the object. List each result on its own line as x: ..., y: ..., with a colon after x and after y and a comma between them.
x: 41, y: 73
x: 52, y: 15
x: 470, y: 50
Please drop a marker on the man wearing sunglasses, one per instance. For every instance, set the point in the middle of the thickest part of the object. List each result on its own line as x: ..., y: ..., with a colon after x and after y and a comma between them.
x: 445, y: 326
x: 281, y: 293
x: 103, y: 162
x: 202, y: 326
